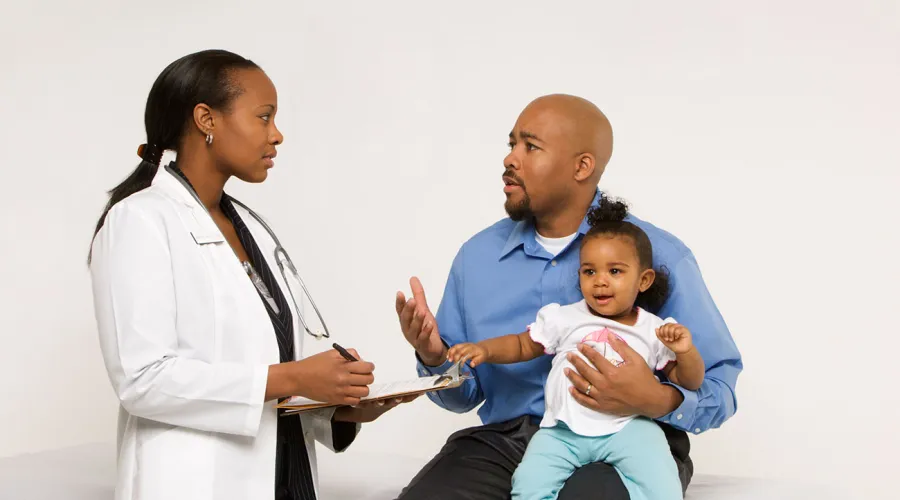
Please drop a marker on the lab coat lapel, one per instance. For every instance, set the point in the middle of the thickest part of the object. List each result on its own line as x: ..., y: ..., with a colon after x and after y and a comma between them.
x: 266, y: 245
x: 197, y: 220
x: 316, y: 426
x: 223, y: 264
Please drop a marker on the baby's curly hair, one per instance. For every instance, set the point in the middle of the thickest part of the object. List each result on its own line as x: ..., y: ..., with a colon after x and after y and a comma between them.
x: 608, y: 219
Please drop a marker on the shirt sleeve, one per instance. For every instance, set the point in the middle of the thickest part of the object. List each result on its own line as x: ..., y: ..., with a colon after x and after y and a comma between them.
x: 135, y: 307
x: 336, y: 436
x: 452, y: 327
x: 690, y: 301
x: 546, y: 329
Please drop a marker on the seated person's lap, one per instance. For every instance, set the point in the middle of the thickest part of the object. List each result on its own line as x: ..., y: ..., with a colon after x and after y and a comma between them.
x: 478, y: 464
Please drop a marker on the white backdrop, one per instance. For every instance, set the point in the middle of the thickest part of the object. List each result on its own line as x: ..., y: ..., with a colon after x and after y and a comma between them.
x: 764, y: 134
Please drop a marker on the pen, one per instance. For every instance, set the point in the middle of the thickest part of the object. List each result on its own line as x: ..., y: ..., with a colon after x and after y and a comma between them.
x: 344, y: 353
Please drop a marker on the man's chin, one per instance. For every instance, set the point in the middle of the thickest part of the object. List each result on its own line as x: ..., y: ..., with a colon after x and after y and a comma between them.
x: 518, y: 210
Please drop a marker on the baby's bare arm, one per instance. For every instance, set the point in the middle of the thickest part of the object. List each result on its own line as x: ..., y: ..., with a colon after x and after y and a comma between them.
x: 512, y: 348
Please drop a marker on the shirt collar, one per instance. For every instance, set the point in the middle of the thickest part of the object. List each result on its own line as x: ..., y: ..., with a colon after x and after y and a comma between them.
x: 183, y: 190
x: 524, y: 234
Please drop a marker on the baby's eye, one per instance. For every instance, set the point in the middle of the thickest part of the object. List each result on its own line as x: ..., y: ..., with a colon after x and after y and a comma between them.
x: 614, y: 271
x: 588, y: 272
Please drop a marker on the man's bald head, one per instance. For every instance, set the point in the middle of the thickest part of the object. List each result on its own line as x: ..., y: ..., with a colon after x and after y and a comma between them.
x: 559, y: 147
x: 583, y: 126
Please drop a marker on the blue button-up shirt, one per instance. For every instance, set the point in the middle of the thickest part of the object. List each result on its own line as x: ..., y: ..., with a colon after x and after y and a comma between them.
x: 502, y: 276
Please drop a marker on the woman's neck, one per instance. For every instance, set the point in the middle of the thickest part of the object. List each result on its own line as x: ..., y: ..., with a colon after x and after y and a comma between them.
x: 208, y: 183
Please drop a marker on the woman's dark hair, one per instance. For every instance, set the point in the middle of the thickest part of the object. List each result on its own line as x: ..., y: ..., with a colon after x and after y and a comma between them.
x: 201, y: 77
x: 608, y: 219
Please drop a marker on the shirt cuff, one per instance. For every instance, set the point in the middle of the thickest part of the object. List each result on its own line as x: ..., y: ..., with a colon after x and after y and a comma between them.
x: 683, y: 416
x: 425, y: 370
x: 258, y: 396
x: 343, y: 434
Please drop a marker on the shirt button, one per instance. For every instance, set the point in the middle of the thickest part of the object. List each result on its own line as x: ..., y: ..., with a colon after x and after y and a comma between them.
x: 553, y: 263
x: 697, y: 430
x: 680, y: 416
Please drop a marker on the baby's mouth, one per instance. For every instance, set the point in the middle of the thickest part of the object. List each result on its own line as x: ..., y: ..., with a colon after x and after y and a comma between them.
x: 603, y: 299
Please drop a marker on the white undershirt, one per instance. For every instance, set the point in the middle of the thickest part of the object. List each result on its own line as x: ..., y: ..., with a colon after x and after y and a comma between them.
x: 554, y: 245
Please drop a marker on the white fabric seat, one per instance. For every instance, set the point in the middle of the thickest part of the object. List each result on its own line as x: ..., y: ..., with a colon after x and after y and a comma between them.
x: 88, y: 473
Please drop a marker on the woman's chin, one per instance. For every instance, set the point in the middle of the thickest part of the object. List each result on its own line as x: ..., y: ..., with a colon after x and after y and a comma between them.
x: 255, y: 176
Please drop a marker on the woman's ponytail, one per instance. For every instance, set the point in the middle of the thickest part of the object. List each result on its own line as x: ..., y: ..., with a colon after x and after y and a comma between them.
x: 140, y: 179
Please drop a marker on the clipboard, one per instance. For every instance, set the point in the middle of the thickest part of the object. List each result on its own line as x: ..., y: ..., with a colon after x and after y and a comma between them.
x: 451, y: 379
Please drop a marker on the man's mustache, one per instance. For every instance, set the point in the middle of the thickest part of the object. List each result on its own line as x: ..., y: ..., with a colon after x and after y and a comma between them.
x: 513, y: 178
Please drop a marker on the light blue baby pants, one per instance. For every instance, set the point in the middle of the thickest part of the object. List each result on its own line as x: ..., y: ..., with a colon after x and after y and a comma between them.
x: 639, y: 453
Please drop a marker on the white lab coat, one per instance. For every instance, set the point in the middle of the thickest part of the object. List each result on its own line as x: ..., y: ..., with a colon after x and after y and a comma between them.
x: 187, y: 343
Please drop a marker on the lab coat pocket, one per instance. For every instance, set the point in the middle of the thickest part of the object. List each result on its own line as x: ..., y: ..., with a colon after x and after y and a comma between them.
x: 174, y: 462
x: 148, y: 430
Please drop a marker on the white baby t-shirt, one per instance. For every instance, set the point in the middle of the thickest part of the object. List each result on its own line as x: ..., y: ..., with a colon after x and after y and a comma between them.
x: 560, y: 329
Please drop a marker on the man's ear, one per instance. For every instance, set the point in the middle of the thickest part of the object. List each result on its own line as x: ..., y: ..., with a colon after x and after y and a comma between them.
x: 204, y: 119
x: 647, y: 279
x: 584, y: 169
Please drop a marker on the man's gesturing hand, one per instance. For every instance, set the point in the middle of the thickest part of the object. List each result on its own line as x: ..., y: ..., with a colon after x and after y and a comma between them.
x: 419, y: 326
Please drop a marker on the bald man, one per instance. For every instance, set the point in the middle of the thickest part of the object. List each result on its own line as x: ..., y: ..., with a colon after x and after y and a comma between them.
x: 502, y: 276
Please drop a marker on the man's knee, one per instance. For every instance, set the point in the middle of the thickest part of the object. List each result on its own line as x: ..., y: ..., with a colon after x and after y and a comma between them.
x: 598, y: 481
x: 680, y: 446
x: 465, y: 469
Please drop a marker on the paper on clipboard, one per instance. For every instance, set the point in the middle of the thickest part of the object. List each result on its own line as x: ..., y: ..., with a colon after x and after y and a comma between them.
x: 452, y: 378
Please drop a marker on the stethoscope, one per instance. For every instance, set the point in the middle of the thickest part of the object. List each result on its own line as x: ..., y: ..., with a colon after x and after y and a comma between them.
x: 281, y: 257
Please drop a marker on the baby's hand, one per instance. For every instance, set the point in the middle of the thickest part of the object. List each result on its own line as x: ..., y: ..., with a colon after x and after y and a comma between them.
x: 676, y: 337
x: 473, y: 353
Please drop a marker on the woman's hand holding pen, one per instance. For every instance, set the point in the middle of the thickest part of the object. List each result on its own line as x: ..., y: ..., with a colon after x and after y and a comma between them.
x: 326, y: 377
x: 370, y: 410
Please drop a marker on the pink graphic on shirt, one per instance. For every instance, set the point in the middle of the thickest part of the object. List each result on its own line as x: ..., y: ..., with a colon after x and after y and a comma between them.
x: 599, y: 340
x: 600, y: 336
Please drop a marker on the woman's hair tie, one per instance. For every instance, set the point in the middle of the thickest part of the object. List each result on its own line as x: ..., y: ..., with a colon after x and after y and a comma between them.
x: 150, y: 153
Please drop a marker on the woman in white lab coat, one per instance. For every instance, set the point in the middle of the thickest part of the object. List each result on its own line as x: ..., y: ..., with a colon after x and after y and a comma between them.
x: 196, y: 330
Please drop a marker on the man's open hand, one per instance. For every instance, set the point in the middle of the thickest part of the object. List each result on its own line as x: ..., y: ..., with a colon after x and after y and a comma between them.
x: 419, y: 326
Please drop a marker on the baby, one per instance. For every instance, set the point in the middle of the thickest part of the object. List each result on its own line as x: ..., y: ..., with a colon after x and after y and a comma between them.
x: 618, y: 282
